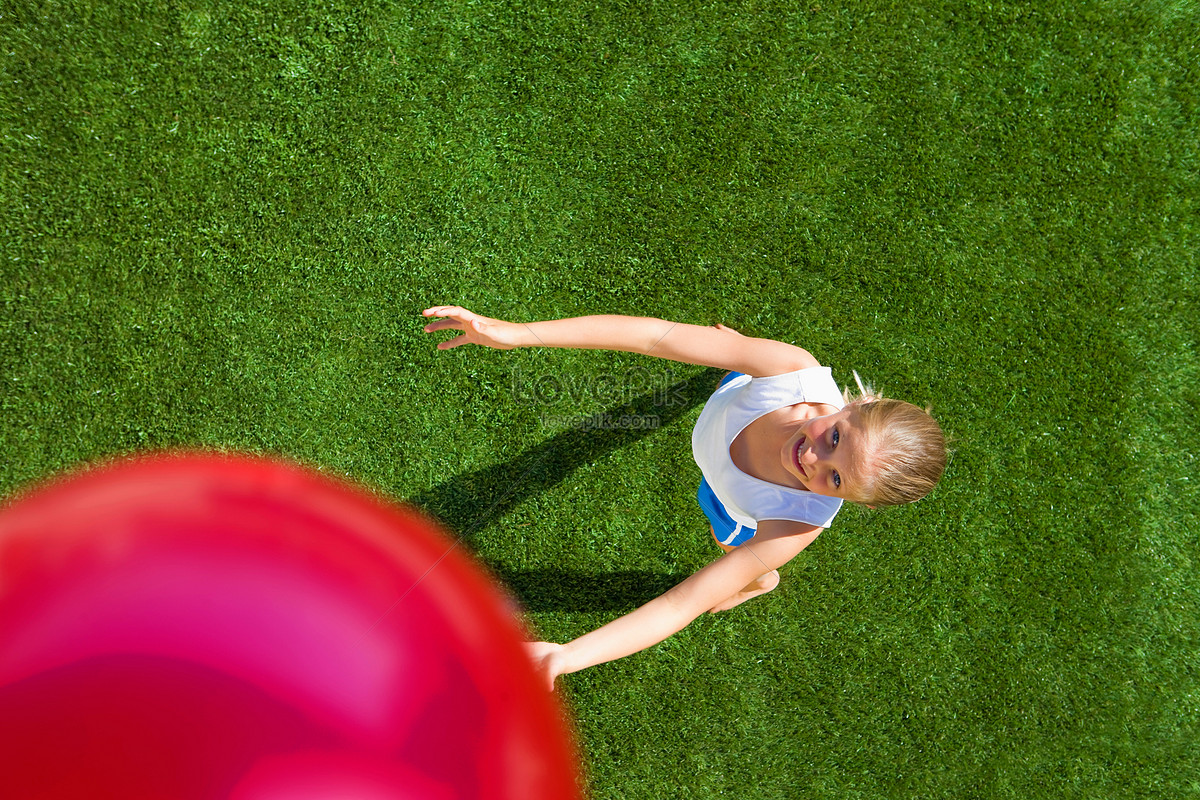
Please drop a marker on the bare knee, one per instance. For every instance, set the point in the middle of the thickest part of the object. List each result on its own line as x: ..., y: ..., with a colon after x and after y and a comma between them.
x: 766, y: 582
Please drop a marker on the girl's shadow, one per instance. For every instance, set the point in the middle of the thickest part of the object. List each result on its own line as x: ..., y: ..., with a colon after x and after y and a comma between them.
x: 467, y: 503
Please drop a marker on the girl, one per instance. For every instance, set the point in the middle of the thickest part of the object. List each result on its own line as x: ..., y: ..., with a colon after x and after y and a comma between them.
x: 779, y: 448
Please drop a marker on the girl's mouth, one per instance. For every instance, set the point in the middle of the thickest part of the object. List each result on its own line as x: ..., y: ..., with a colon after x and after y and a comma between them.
x: 796, y: 455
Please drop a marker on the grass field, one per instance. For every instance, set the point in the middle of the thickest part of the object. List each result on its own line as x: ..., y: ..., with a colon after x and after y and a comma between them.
x: 221, y: 221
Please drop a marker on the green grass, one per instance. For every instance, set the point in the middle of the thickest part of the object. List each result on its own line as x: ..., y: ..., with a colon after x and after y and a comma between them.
x: 222, y: 219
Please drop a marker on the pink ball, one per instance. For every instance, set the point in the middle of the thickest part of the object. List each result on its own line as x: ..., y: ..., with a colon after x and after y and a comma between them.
x: 211, y: 626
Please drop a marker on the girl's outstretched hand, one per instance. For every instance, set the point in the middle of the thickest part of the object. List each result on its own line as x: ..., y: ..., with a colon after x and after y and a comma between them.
x: 475, y: 329
x: 546, y: 658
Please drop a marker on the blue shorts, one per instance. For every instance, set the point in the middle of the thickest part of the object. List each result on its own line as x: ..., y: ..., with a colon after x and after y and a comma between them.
x: 726, y: 529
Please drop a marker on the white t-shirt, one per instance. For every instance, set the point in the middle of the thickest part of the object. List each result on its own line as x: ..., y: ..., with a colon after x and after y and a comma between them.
x: 730, y: 409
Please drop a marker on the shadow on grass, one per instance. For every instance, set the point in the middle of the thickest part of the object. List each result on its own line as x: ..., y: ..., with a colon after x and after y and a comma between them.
x: 471, y: 501
x: 573, y: 590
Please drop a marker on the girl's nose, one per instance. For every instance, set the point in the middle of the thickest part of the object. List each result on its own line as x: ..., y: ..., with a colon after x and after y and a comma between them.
x: 808, y: 458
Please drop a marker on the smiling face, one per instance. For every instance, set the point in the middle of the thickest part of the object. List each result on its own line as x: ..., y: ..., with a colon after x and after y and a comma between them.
x: 829, y: 455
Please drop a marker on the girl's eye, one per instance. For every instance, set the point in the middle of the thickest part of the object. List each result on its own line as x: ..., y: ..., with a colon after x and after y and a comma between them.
x: 837, y: 480
x: 836, y: 436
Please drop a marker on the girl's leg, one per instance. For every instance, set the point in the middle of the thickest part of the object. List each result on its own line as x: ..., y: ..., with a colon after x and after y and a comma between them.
x: 717, y: 514
x: 764, y: 584
x: 761, y: 585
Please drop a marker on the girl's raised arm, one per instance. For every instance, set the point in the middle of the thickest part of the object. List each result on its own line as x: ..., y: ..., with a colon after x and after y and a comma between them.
x: 676, y: 341
x: 672, y: 611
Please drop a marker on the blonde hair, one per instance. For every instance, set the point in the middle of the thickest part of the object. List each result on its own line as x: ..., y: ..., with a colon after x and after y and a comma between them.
x: 905, y: 447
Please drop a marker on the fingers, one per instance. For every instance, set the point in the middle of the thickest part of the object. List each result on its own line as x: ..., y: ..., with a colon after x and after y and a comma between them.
x: 458, y: 312
x: 539, y: 653
x: 442, y: 324
x: 468, y: 328
x: 536, y: 650
x: 453, y: 318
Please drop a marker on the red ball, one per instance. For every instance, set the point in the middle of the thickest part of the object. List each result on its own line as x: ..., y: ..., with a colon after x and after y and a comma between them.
x: 211, y: 626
